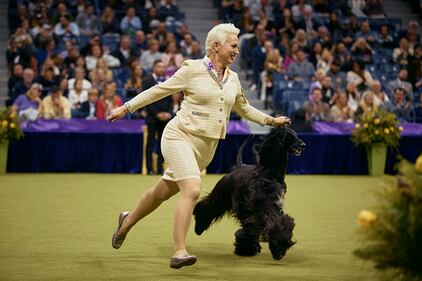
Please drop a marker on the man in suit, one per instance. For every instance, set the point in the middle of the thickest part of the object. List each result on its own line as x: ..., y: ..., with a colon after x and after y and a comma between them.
x: 88, y: 108
x: 158, y: 114
x: 124, y: 51
x: 401, y: 82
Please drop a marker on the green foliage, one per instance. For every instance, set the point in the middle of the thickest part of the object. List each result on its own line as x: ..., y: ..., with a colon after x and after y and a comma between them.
x: 379, y: 127
x: 394, y: 239
x: 10, y: 127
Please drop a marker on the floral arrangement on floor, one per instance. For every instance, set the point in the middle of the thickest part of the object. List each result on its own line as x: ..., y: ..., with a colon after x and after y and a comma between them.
x: 391, y: 232
x: 379, y: 127
x: 10, y: 127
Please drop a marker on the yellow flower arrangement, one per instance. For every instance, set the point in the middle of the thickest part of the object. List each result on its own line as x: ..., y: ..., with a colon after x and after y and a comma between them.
x: 377, y: 128
x: 10, y: 128
x: 391, y: 232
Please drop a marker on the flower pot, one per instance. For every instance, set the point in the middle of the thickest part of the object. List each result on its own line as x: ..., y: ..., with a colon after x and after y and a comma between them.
x: 4, y: 147
x: 377, y: 155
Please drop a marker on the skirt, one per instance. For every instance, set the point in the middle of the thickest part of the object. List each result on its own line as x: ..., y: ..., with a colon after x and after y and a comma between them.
x: 186, y: 154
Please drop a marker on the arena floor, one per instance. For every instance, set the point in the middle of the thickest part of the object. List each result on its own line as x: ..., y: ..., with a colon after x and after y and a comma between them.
x: 59, y: 227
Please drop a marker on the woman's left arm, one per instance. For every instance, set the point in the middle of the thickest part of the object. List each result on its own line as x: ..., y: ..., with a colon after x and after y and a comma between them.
x: 245, y: 110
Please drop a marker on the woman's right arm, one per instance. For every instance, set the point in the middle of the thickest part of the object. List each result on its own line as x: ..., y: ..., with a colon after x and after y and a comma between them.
x: 177, y: 83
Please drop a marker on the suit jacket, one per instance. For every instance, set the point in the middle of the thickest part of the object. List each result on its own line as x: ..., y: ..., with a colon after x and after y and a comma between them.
x: 207, y: 104
x: 393, y: 85
x: 119, y: 55
x: 163, y: 105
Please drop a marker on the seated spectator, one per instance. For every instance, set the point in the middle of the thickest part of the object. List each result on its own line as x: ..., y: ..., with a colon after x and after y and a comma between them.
x: 384, y: 38
x: 79, y: 73
x: 196, y: 52
x: 323, y: 37
x: 361, y: 50
x: 55, y: 105
x: 412, y: 29
x: 87, y: 21
x: 70, y: 60
x: 317, y: 83
x: 61, y: 10
x: 334, y: 26
x: 87, y: 109
x: 287, y: 25
x: 315, y: 53
x: 109, y: 22
x: 124, y: 52
x: 316, y: 108
x: 151, y: 20
x: 99, y: 78
x: 301, y: 70
x: 338, y: 77
x: 380, y: 97
x: 374, y: 9
x: 361, y: 77
x: 343, y: 56
x: 402, y: 54
x: 94, y: 40
x: 186, y: 45
x: 341, y: 111
x: 134, y: 85
x: 23, y: 86
x: 357, y: 7
x: 47, y: 49
x: 160, y: 34
x: 353, y: 96
x: 401, y: 82
x: 298, y: 10
x: 131, y: 22
x: 172, y: 59
x: 95, y: 54
x: 366, y: 33
x: 415, y: 67
x: 418, y: 111
x: 108, y: 101
x: 300, y: 122
x: 151, y: 55
x: 66, y: 30
x: 325, y: 61
x: 77, y: 96
x: 329, y: 95
x: 308, y: 22
x: 366, y: 104
x: 401, y: 108
x: 168, y: 10
x: 26, y: 106
x: 21, y: 51
x: 300, y: 39
x: 101, y: 64
x: 291, y: 55
x: 15, y: 78
x: 48, y: 79
x: 140, y: 43
x: 273, y: 64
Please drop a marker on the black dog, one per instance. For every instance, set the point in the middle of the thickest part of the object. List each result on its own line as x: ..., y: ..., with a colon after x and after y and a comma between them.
x: 254, y: 195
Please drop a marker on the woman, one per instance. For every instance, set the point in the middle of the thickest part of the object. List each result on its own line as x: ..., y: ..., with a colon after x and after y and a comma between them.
x: 361, y: 77
x: 27, y: 105
x: 211, y: 91
x: 97, y: 53
x: 341, y: 111
x: 108, y: 101
x: 172, y: 59
x: 366, y: 104
x: 134, y: 82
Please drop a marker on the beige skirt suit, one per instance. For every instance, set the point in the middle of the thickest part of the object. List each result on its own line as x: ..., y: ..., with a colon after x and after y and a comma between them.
x: 190, y: 139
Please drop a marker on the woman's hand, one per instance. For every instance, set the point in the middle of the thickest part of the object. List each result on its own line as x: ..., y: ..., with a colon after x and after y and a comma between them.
x: 279, y: 121
x: 117, y: 113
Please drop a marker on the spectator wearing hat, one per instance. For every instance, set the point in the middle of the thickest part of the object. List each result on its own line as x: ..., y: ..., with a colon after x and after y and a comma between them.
x: 55, y: 105
x: 87, y: 21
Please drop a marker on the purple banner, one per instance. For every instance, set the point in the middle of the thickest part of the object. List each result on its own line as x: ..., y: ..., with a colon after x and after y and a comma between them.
x: 331, y: 128
x: 103, y: 126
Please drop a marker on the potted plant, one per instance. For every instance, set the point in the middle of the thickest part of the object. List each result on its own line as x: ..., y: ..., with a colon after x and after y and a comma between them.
x: 391, y: 232
x: 10, y: 130
x: 377, y: 131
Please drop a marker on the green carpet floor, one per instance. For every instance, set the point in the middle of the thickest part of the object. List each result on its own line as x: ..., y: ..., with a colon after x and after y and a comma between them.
x: 59, y: 227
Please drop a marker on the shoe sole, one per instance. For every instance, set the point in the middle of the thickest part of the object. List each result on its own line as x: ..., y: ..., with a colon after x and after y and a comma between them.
x: 187, y: 262
x: 122, y: 216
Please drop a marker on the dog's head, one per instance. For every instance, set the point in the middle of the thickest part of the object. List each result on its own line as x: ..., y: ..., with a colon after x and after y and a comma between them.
x: 281, y: 141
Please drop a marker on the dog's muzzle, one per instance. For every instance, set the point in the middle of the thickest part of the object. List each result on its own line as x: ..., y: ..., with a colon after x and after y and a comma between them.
x: 297, y: 149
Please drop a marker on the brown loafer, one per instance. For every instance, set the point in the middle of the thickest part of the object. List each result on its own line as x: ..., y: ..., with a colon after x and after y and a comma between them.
x: 117, y: 239
x: 183, y: 261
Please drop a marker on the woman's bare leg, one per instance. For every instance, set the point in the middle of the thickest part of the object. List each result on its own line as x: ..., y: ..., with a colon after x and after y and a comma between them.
x: 189, y: 193
x: 148, y: 202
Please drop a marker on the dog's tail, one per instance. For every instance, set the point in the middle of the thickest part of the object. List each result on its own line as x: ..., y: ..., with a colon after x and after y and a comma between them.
x: 213, y: 207
x: 239, y: 161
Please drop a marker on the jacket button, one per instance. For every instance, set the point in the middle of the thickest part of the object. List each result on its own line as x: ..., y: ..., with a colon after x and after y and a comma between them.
x: 221, y: 109
x: 221, y: 99
x: 219, y: 121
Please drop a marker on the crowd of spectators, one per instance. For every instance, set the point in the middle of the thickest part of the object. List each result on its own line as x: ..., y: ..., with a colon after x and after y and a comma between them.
x: 83, y: 58
x: 325, y: 60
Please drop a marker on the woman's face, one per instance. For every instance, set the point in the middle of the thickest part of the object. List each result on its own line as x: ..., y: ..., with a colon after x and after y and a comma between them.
x: 229, y: 50
x: 78, y: 85
x: 96, y: 51
x: 369, y: 99
x: 138, y: 71
x: 342, y: 99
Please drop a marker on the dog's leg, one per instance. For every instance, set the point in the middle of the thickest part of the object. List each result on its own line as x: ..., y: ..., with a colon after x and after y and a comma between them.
x: 213, y: 207
x: 247, y: 240
x: 280, y: 233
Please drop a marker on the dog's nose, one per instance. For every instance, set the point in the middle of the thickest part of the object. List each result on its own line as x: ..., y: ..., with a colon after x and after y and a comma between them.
x: 302, y: 145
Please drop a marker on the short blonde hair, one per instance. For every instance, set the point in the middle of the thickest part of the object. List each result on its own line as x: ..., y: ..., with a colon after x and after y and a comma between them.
x: 219, y: 34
